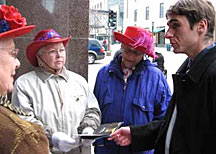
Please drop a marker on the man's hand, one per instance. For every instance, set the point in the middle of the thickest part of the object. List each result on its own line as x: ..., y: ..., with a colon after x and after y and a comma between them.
x: 62, y: 141
x: 122, y: 136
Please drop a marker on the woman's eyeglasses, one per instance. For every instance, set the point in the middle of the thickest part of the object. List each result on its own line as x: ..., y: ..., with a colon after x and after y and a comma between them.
x: 53, y: 52
x: 12, y: 52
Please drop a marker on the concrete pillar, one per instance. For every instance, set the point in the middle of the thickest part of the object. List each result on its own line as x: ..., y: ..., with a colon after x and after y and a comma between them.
x: 67, y: 17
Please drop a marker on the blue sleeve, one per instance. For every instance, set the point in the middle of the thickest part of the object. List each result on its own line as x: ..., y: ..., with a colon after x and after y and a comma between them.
x: 163, y: 97
x: 98, y: 88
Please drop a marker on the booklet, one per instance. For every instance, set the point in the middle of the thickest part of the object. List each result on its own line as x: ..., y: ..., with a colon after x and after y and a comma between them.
x: 102, y: 131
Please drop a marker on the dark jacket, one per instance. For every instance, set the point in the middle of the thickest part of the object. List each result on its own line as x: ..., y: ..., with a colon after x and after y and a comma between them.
x: 194, y: 131
x: 159, y: 60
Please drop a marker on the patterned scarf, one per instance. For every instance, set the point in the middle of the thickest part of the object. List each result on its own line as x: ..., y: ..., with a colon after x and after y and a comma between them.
x: 127, y: 72
x: 7, y: 104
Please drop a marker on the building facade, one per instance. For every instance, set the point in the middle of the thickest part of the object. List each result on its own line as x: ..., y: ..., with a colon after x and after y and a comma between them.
x: 98, y: 18
x: 149, y: 14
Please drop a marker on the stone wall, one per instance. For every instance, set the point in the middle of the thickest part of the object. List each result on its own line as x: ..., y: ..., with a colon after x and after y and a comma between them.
x: 67, y: 17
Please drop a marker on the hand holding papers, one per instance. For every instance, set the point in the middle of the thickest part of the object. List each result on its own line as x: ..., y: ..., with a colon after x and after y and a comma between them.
x: 102, y: 131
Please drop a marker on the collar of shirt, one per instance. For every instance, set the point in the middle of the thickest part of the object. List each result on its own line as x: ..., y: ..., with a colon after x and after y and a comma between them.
x: 127, y: 72
x: 45, y: 76
x: 199, y: 56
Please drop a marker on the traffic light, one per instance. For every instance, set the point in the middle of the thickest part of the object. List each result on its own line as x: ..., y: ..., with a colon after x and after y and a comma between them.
x: 112, y: 18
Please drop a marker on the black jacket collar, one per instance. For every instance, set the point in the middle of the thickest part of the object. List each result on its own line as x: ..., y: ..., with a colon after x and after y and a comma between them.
x: 199, y: 66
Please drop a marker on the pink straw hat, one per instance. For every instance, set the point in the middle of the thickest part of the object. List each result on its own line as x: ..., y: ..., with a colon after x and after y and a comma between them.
x: 137, y: 38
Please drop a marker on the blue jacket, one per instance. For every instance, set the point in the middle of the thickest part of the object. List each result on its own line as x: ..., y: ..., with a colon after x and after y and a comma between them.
x: 143, y: 98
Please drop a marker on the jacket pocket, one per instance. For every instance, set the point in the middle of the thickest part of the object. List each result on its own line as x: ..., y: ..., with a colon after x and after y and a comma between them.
x: 107, y: 110
x: 107, y: 101
x: 142, y: 111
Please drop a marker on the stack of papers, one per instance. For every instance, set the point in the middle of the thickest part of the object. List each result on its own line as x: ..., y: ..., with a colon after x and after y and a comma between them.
x: 102, y: 131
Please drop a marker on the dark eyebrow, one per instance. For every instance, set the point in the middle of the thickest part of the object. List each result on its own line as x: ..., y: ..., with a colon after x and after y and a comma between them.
x: 171, y: 21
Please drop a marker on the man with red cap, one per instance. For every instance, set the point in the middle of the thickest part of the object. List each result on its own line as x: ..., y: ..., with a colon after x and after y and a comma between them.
x: 56, y: 98
x: 17, y: 135
x: 131, y: 89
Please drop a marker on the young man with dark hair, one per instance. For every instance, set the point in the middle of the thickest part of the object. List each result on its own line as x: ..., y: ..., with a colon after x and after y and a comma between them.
x: 189, y: 124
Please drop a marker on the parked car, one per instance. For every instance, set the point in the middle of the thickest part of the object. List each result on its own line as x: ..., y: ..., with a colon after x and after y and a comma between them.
x: 95, y: 51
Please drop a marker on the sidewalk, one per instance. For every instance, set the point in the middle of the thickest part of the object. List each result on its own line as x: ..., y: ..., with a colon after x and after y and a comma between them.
x: 113, y: 49
x: 172, y: 62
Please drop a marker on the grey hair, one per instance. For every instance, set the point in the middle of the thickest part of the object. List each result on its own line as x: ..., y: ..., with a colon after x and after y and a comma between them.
x: 40, y: 51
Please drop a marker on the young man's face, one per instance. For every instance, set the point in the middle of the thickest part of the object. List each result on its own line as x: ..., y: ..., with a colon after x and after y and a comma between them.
x: 130, y: 57
x: 182, y: 38
x: 8, y: 64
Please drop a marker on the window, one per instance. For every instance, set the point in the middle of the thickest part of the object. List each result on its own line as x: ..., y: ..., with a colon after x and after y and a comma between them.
x: 2, y: 2
x: 161, y: 10
x: 100, y: 5
x: 147, y: 13
x: 94, y: 43
x: 135, y: 15
x: 127, y: 8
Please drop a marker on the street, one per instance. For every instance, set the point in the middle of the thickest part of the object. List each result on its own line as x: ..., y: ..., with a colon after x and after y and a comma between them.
x: 171, y: 62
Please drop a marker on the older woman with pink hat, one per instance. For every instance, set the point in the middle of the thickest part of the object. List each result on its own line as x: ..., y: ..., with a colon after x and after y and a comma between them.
x: 17, y: 135
x: 131, y: 88
x: 56, y: 98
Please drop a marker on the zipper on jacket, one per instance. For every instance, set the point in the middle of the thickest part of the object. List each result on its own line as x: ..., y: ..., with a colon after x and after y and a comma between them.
x: 125, y: 85
x: 59, y: 93
x: 60, y: 96
x: 123, y: 100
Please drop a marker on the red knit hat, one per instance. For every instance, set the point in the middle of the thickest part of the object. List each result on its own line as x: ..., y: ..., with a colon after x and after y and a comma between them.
x: 41, y: 39
x: 137, y: 38
x: 12, y: 24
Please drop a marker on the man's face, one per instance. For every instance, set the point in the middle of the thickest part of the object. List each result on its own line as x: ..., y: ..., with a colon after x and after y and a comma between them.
x: 130, y: 57
x: 182, y: 38
x: 54, y: 55
x: 8, y: 64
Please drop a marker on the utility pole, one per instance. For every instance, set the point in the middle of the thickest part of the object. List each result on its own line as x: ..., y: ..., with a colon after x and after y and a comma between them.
x: 109, y: 38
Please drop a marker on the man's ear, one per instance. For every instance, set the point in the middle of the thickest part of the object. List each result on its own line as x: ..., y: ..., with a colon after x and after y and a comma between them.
x: 202, y: 26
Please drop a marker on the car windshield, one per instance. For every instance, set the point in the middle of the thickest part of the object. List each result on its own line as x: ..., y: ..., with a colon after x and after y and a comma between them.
x: 94, y: 43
